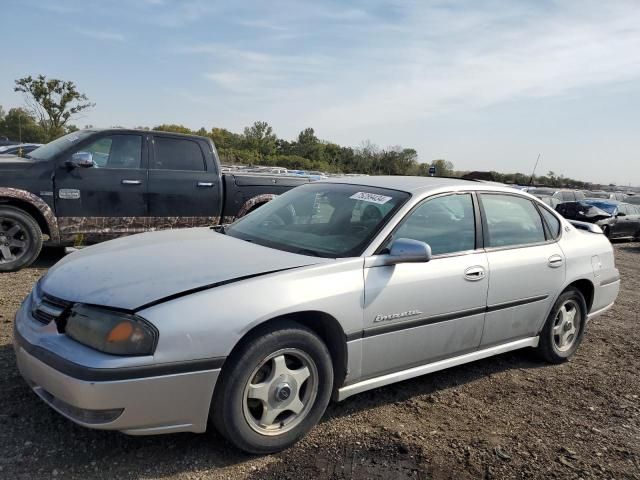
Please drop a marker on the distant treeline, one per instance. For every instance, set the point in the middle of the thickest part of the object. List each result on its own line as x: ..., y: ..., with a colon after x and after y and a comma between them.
x: 259, y: 145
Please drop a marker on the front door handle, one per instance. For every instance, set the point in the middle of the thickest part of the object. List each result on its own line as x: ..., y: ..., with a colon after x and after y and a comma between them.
x: 473, y: 274
x: 205, y: 184
x: 131, y: 182
x: 556, y: 261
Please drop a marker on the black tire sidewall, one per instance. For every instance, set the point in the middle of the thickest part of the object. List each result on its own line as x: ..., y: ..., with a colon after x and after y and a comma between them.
x: 547, y: 343
x: 34, y: 237
x: 227, y: 407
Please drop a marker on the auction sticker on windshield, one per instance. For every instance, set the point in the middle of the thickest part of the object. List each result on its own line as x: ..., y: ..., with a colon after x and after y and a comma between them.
x: 370, y: 197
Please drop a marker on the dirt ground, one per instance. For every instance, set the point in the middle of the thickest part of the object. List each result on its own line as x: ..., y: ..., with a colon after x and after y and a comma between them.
x: 505, y: 417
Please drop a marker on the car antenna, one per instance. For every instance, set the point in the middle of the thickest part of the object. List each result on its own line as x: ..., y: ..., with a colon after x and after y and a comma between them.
x: 534, y: 169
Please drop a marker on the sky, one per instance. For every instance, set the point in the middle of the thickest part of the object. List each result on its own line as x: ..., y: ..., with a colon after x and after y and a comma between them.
x: 488, y: 85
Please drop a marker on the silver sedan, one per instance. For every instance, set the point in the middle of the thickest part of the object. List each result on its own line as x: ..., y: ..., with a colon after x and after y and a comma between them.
x: 331, y: 289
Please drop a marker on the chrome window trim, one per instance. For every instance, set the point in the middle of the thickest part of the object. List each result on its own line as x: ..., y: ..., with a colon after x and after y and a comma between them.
x: 535, y: 203
x: 409, y: 206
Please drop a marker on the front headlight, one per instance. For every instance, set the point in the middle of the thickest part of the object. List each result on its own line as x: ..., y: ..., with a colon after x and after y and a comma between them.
x: 110, y: 331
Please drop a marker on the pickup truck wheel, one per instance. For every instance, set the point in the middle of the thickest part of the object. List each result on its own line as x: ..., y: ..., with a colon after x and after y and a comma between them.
x: 275, y: 389
x: 20, y: 239
x: 564, y: 329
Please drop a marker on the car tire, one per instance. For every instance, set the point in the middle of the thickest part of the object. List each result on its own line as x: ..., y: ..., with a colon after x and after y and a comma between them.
x: 564, y: 329
x: 20, y: 239
x: 265, y: 375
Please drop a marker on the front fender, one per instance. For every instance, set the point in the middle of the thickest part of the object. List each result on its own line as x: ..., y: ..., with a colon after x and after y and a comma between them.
x: 210, y: 323
x: 39, y: 204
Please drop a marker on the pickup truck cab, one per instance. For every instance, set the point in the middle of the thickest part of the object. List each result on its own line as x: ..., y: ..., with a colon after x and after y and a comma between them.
x: 95, y: 185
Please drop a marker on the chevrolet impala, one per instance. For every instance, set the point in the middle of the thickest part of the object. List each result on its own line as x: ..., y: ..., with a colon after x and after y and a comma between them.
x: 331, y: 289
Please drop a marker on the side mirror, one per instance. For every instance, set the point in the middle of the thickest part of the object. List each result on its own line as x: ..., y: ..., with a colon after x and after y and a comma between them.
x: 405, y: 250
x: 81, y: 159
x: 621, y: 214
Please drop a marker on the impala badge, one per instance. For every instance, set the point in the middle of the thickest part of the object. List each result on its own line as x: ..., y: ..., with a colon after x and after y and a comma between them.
x: 393, y: 316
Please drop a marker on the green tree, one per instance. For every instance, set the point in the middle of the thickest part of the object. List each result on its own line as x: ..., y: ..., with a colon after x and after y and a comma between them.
x: 260, y: 138
x: 19, y: 125
x: 52, y: 102
x: 307, y: 137
x: 444, y: 168
x: 172, y: 127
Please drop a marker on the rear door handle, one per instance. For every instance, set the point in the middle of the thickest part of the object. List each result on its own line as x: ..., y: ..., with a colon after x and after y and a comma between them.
x: 205, y: 184
x: 555, y: 261
x: 131, y: 182
x: 473, y: 274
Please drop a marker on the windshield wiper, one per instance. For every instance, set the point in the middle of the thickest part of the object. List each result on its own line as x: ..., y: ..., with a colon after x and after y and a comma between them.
x: 219, y: 229
x: 308, y: 251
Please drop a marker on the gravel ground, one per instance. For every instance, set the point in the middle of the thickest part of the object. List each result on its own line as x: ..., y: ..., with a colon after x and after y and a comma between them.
x: 505, y: 417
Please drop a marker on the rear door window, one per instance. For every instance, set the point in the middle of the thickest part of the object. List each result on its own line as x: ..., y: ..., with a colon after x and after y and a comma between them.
x: 511, y: 221
x: 177, y: 154
x: 553, y: 224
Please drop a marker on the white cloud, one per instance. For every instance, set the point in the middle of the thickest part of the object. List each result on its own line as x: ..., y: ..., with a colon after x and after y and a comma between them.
x: 102, y: 35
x: 482, y: 59
x: 418, y: 59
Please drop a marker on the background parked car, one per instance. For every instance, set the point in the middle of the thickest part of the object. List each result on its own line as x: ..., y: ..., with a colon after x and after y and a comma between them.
x: 617, y: 220
x: 564, y: 195
x: 95, y: 185
x: 618, y: 196
x: 553, y: 202
x: 634, y: 200
x: 21, y: 149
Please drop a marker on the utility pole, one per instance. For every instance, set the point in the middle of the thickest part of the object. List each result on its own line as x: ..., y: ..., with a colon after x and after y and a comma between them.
x: 534, y: 169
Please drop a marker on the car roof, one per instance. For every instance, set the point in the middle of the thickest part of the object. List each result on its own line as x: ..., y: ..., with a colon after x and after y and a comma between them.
x: 417, y: 184
x: 602, y: 200
x: 117, y: 130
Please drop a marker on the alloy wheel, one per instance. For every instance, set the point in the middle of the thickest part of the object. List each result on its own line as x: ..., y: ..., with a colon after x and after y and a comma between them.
x: 567, y: 326
x: 280, y: 392
x: 14, y: 241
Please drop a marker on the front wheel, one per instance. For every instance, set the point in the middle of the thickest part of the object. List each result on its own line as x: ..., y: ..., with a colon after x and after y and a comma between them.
x: 564, y: 329
x: 20, y: 239
x: 273, y: 389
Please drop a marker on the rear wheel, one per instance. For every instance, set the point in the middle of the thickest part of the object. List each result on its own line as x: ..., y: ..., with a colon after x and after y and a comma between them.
x: 273, y: 389
x: 20, y: 239
x: 563, y: 332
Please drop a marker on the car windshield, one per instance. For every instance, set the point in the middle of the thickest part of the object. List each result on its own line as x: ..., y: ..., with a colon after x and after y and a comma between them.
x: 324, y: 220
x: 51, y: 149
x: 608, y: 207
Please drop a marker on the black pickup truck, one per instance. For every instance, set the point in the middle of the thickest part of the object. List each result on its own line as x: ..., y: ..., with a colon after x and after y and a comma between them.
x: 95, y: 185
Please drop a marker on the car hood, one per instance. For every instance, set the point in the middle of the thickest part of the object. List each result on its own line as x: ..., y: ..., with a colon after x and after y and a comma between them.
x: 134, y: 271
x: 14, y: 162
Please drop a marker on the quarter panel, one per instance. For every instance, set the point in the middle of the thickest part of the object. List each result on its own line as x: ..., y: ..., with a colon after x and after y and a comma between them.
x: 591, y: 257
